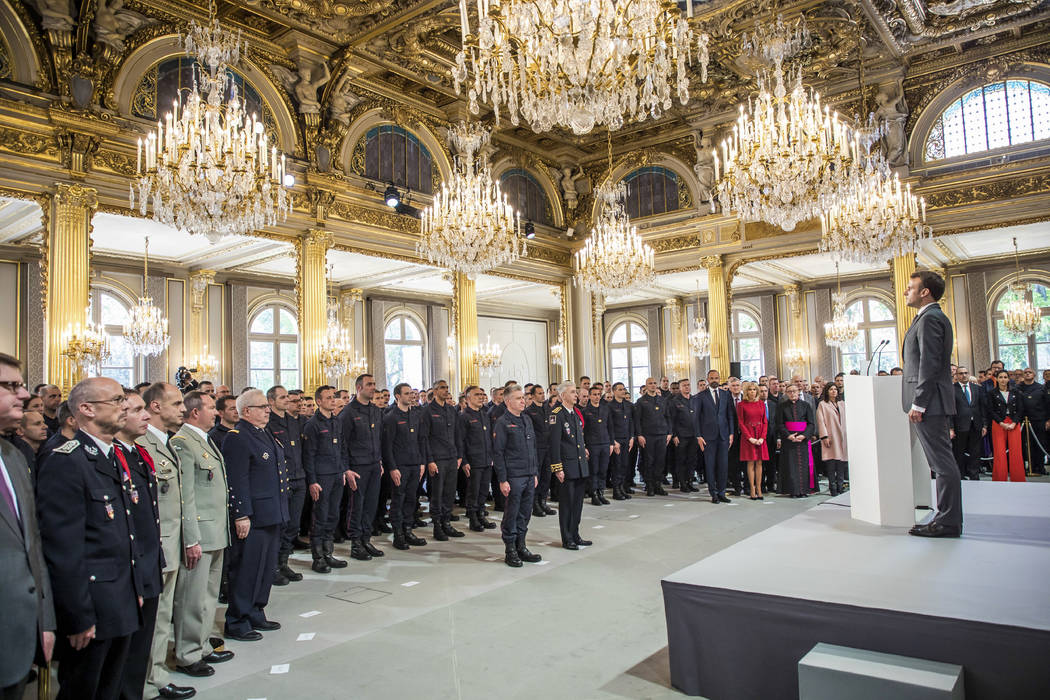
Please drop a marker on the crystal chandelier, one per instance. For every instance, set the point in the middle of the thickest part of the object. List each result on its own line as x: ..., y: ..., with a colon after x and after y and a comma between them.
x: 699, y: 340
x: 86, y: 346
x: 841, y: 330
x: 358, y: 365
x: 577, y: 63
x: 1021, y: 316
x: 557, y: 352
x: 207, y: 169
x: 676, y: 366
x: 489, y: 356
x: 336, y: 356
x: 207, y: 367
x: 795, y: 358
x: 147, y: 333
x: 470, y: 227
x: 786, y: 154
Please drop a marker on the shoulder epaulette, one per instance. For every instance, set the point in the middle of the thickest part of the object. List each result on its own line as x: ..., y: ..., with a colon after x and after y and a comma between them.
x: 67, y: 447
x: 177, y: 437
x: 234, y: 430
x: 556, y: 409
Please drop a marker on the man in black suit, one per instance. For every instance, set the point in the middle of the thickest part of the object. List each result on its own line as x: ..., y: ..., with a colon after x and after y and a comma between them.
x: 928, y: 399
x: 25, y: 595
x: 84, y: 500
x: 969, y: 425
x: 716, y: 424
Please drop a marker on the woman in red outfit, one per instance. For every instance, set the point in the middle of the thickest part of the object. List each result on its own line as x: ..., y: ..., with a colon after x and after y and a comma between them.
x: 751, y: 417
x: 1007, y: 411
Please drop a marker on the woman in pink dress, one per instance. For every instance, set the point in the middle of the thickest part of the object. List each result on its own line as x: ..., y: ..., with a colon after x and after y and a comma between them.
x: 751, y: 416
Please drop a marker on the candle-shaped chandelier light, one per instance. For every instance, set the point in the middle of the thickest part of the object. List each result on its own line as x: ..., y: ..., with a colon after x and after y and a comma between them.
x: 147, y: 332
x: 1021, y: 316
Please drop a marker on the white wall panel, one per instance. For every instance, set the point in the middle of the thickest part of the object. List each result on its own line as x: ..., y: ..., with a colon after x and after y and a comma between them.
x: 524, y: 349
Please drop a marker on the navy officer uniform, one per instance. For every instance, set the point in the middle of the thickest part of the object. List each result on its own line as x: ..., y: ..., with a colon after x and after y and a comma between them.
x: 87, y: 531
x: 569, y: 456
x: 363, y: 450
x: 258, y: 478
x: 403, y: 447
x: 598, y: 437
x: 476, y: 449
x: 324, y: 465
x: 516, y: 464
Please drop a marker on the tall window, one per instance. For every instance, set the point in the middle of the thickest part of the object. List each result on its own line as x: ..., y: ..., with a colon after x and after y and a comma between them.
x: 526, y: 195
x: 403, y: 348
x: 273, y: 348
x: 876, y: 323
x: 993, y: 116
x: 629, y: 356
x: 747, y: 344
x: 111, y: 314
x: 1019, y: 351
x: 392, y: 154
x: 653, y: 190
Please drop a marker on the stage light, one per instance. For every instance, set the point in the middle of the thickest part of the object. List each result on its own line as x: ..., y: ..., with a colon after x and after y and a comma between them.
x: 530, y: 230
x: 392, y: 196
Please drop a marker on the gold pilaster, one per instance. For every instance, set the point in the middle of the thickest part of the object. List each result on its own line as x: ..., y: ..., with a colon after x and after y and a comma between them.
x: 597, y: 314
x: 903, y: 266
x: 566, y: 330
x: 312, y: 292
x: 198, y: 327
x: 465, y: 307
x: 68, y: 270
x: 717, y: 313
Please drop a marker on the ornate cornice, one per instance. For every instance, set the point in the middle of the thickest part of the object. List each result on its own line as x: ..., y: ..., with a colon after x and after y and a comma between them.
x: 989, y: 191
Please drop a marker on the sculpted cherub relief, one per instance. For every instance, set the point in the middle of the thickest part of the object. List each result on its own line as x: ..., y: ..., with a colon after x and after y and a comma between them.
x: 303, y: 85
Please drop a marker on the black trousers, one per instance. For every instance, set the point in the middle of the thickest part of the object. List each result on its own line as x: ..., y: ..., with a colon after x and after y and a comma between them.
x: 544, y: 486
x: 966, y: 447
x: 769, y: 469
x: 94, y: 672
x: 618, y: 464
x: 736, y: 470
x: 17, y: 690
x: 517, y: 510
x: 1031, y: 443
x: 687, y: 452
x: 346, y: 497
x: 296, y: 497
x: 477, y: 488
x: 443, y: 490
x: 598, y: 463
x: 326, y: 510
x: 836, y: 469
x: 632, y: 464
x: 134, y: 680
x: 251, y: 577
x: 403, y: 498
x: 363, y: 502
x: 570, y: 507
x: 933, y: 435
x: 653, y: 455
x: 716, y: 466
x: 386, y: 487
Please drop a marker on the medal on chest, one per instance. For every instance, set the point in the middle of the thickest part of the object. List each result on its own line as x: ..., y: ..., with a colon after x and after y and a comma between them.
x: 134, y: 495
x: 109, y: 511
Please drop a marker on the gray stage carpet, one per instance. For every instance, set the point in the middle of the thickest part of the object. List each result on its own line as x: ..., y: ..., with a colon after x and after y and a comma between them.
x: 739, y: 620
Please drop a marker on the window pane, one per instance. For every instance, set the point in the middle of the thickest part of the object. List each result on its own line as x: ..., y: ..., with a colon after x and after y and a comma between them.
x: 620, y: 375
x: 746, y: 323
x: 1017, y: 97
x: 973, y: 120
x: 878, y: 311
x: 1009, y: 296
x: 638, y: 377
x: 1006, y: 336
x: 854, y: 346
x: 1042, y: 333
x: 412, y: 331
x: 954, y: 144
x: 413, y: 363
x: 393, y: 330
x: 750, y: 349
x: 1013, y: 356
x: 1042, y: 357
x: 113, y: 313
x: 121, y: 352
x: 855, y: 312
x: 1040, y: 110
x: 263, y: 322
x: 851, y: 362
x: 935, y: 141
x: 1040, y: 296
x: 289, y: 356
x: 888, y: 359
x: 394, y: 365
x: 260, y: 355
x: 751, y: 370
x: 619, y: 357
x: 640, y: 356
x: 995, y: 111
x: 290, y: 379
x: 261, y: 379
x: 122, y: 375
x: 880, y: 334
x: 619, y: 334
x: 638, y: 335
x: 288, y: 325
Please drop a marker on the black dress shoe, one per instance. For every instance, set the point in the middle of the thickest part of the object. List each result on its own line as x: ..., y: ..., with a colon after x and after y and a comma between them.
x: 249, y: 636
x: 525, y: 555
x: 321, y: 566
x: 451, y: 531
x: 358, y: 551
x: 659, y: 490
x: 217, y: 657
x: 289, y: 573
x: 714, y: 499
x: 334, y: 563
x: 723, y: 499
x: 512, y: 559
x: 372, y: 549
x: 570, y: 545
x: 935, y: 529
x: 266, y: 626
x: 582, y: 542
x: 175, y: 692
x: 198, y: 669
x: 414, y: 540
x: 279, y: 579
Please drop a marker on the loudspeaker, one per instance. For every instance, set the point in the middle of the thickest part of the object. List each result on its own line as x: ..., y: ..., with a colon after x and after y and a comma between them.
x: 734, y: 369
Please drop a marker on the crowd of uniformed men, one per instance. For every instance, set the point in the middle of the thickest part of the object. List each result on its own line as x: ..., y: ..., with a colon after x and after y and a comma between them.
x: 154, y: 505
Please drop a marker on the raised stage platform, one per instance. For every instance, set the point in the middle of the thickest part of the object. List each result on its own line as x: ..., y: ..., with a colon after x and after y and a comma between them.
x: 739, y: 621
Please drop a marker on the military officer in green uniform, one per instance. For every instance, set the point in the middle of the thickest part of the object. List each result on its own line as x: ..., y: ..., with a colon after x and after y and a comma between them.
x: 205, y: 498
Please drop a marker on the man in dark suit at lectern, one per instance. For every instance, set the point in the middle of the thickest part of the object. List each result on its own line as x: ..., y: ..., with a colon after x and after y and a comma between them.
x: 929, y: 400
x: 969, y: 425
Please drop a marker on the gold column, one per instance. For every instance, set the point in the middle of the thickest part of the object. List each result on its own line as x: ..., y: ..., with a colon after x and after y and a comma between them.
x: 67, y: 294
x: 312, y: 291
x: 566, y: 328
x: 348, y: 299
x: 465, y: 309
x: 903, y: 266
x: 198, y: 345
x: 597, y: 314
x: 717, y: 313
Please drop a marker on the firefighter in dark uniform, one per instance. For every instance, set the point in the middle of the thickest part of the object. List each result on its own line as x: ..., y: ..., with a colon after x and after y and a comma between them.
x: 514, y: 446
x: 403, y: 445
x: 441, y: 421
x: 1036, y: 402
x: 362, y: 444
x: 598, y: 437
x: 87, y: 532
x: 475, y: 451
x: 258, y: 479
x: 622, y: 411
x: 653, y: 431
x: 288, y: 430
x: 540, y: 412
x: 568, y: 456
x: 323, y: 462
x: 681, y: 415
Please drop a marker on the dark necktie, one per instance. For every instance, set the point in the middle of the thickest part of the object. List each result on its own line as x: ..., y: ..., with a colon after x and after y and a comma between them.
x: 966, y: 390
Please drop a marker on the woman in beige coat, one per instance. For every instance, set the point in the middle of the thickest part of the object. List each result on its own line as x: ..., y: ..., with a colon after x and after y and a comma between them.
x: 831, y: 427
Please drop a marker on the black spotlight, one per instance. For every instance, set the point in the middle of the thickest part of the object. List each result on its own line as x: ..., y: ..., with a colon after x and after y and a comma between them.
x: 392, y: 196
x: 530, y: 230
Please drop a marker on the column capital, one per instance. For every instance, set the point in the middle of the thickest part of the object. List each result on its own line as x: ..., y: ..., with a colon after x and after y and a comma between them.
x: 351, y: 296
x: 199, y: 282
x: 320, y: 202
x: 711, y: 261
x: 317, y: 237
x: 76, y: 195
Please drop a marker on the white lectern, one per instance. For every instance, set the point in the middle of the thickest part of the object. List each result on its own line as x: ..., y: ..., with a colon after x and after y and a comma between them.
x: 886, y: 483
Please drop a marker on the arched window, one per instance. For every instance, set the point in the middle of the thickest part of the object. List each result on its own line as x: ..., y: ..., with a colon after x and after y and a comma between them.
x: 173, y: 77
x: 747, y: 344
x: 526, y: 195
x: 111, y: 314
x: 996, y: 115
x: 392, y: 154
x: 876, y: 323
x: 404, y: 349
x: 1020, y: 351
x: 654, y: 190
x: 629, y: 356
x: 273, y: 348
